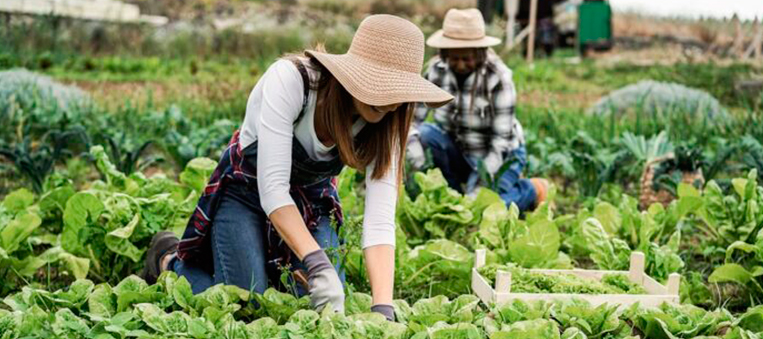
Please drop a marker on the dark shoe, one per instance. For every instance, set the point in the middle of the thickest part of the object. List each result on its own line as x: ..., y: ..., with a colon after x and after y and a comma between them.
x: 162, y: 243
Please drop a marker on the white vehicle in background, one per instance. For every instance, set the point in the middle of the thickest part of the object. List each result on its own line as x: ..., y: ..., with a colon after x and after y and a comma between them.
x: 99, y: 10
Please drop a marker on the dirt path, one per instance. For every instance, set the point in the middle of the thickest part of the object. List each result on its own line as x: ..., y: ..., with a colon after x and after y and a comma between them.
x: 112, y: 94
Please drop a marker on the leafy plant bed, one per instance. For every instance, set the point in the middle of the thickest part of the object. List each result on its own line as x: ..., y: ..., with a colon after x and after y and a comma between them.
x: 500, y: 284
x: 527, y: 281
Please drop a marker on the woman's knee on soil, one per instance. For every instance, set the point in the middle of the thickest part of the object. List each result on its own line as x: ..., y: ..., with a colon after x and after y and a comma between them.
x: 238, y: 246
x: 199, y: 279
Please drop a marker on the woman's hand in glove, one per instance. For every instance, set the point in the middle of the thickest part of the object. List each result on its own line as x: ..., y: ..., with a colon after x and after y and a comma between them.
x: 386, y: 310
x: 325, y: 285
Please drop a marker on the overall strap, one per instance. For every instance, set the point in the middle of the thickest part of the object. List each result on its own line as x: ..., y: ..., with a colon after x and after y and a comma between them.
x: 305, y: 80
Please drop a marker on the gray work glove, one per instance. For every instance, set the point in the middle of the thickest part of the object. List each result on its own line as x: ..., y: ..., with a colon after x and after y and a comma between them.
x: 325, y: 286
x: 386, y: 310
x: 415, y: 153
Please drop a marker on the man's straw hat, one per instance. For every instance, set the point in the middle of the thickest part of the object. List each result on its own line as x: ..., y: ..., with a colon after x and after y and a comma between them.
x: 462, y: 28
x: 383, y: 65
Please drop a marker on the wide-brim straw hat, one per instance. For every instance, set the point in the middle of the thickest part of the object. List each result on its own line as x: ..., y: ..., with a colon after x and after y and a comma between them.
x: 462, y: 28
x: 383, y: 64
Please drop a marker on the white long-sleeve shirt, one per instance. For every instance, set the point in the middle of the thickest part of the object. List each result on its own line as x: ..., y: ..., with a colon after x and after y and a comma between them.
x: 273, y: 106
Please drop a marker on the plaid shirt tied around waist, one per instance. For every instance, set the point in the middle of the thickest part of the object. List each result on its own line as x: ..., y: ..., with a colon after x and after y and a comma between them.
x: 234, y: 168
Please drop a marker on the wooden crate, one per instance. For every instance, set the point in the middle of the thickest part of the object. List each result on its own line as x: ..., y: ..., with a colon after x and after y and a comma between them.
x: 657, y: 293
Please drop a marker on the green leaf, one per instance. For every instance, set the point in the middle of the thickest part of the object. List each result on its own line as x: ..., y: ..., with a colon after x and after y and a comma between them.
x: 305, y: 319
x: 356, y: 303
x: 18, y: 200
x: 430, y: 311
x: 153, y: 316
x: 740, y: 246
x: 492, y: 229
x: 26, y: 267
x: 102, y: 302
x: 519, y: 310
x: 606, y: 252
x: 595, y: 322
x: 352, y: 202
x: 76, y: 295
x: 35, y: 322
x: 183, y: 294
x: 134, y: 290
x: 459, y: 330
x: 483, y: 200
x: 740, y: 185
x: 403, y: 311
x: 118, y: 240
x: 752, y: 319
x: 538, y: 328
x: 687, y: 190
x: 114, y: 177
x: 540, y: 243
x: 200, y: 328
x: 688, y: 204
x: 68, y: 325
x: 573, y: 333
x: 730, y: 273
x: 197, y: 173
x: 82, y: 209
x: 277, y: 305
x: 263, y: 328
x: 18, y: 230
x: 609, y: 216
x: 55, y: 200
x: 79, y: 267
x: 462, y: 308
x: 121, y: 323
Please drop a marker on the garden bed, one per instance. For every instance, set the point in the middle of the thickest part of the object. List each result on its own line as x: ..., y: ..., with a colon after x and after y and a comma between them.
x: 651, y: 293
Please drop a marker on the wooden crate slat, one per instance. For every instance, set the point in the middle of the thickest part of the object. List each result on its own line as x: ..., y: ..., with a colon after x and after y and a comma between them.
x: 654, y: 287
x: 481, y: 287
x: 594, y: 299
x: 636, y: 269
x: 674, y: 283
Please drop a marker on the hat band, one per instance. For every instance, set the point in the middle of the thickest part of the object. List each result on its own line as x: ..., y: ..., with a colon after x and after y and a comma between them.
x: 462, y: 34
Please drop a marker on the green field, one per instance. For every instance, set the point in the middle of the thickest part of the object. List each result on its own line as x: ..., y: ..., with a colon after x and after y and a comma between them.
x: 116, y: 144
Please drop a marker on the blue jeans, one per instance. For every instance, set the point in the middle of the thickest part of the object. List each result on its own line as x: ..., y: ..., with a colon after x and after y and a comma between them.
x: 240, y: 249
x: 460, y: 170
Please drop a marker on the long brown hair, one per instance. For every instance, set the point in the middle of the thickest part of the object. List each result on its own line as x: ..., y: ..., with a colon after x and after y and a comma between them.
x: 375, y: 142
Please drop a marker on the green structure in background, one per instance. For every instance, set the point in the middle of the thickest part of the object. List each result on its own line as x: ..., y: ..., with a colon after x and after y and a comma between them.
x: 594, y: 26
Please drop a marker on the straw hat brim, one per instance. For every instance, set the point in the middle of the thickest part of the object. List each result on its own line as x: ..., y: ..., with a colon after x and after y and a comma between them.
x: 439, y: 40
x: 380, y: 86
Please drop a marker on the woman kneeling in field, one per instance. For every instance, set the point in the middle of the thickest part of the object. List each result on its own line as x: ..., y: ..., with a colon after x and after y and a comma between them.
x: 271, y: 201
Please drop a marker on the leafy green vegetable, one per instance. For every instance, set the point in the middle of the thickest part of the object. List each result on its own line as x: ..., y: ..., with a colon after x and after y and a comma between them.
x: 594, y: 322
x: 438, y: 212
x: 534, y: 242
x: 677, y: 321
x: 527, y: 281
x: 538, y: 328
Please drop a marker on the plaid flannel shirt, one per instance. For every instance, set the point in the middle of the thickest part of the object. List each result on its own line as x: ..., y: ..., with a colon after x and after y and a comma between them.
x: 481, y: 119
